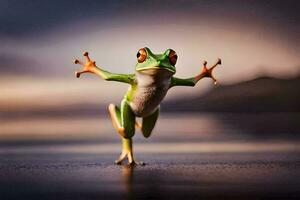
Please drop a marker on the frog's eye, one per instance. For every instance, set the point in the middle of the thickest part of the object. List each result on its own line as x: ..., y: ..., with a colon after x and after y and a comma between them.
x: 141, y: 55
x: 173, y: 57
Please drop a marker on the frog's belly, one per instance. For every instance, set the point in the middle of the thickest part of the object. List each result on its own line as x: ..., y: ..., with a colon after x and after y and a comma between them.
x: 146, y: 100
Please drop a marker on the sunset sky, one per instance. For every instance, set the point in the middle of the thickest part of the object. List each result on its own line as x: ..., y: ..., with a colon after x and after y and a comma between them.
x: 39, y: 40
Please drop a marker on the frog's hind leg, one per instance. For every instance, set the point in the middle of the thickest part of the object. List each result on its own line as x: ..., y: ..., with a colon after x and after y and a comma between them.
x: 148, y: 123
x: 124, y: 121
x: 115, y: 115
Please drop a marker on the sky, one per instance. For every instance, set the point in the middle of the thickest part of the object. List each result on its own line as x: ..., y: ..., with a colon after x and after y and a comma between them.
x: 39, y: 40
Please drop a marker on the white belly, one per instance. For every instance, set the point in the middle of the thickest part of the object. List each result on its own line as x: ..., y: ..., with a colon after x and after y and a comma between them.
x: 150, y: 91
x: 147, y: 99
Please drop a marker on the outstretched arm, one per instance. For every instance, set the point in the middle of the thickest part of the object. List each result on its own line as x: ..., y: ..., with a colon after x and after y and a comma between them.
x: 192, y: 81
x: 90, y: 66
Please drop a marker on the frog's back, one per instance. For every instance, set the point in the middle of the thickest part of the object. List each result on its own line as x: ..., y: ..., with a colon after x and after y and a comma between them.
x: 149, y: 92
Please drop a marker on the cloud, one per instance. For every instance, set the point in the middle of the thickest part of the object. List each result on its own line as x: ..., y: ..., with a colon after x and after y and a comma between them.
x: 34, y: 18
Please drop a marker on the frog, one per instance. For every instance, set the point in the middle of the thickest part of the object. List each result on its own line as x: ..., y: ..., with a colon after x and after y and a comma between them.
x: 154, y: 76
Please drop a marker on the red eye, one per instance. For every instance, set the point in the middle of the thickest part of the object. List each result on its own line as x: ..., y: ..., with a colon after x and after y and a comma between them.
x: 141, y: 55
x: 173, y: 57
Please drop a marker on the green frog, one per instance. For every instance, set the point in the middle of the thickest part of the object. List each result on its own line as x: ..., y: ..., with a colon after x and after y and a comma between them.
x: 153, y: 77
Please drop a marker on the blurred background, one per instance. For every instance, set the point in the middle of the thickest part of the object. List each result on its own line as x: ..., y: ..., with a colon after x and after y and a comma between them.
x: 257, y: 98
x: 211, y: 141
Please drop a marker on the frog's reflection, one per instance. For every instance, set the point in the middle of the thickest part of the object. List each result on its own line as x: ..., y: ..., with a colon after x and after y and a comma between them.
x: 128, y: 175
x: 141, y: 182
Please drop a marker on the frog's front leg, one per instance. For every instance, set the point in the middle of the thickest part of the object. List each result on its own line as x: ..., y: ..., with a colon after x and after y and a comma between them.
x: 206, y: 72
x: 123, y: 120
x: 90, y: 67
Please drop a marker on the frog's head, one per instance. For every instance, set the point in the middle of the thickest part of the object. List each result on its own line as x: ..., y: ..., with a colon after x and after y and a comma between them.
x: 148, y: 61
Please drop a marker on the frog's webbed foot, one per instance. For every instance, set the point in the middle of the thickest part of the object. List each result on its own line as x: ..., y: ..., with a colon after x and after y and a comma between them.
x: 207, y: 72
x: 134, y: 163
x: 131, y: 161
x: 88, y: 66
x: 127, y: 152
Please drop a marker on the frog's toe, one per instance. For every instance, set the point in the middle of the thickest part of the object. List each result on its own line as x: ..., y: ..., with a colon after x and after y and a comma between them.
x: 141, y: 163
x: 78, y: 73
x: 121, y: 158
x: 135, y: 163
x: 218, y: 62
x: 76, y: 61
x: 118, y: 162
x: 132, y: 164
x: 86, y: 55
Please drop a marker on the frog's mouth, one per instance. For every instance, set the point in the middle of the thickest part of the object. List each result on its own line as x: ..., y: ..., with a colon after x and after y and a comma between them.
x: 157, y: 68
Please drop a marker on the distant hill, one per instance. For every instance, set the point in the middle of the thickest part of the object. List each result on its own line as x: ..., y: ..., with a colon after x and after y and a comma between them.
x: 262, y: 94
